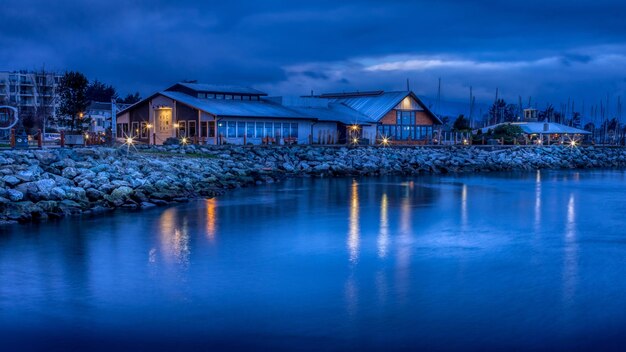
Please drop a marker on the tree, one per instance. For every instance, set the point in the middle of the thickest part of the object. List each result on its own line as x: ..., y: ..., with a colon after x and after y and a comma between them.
x: 500, y: 112
x: 461, y: 124
x: 131, y: 98
x: 44, y: 103
x: 73, y: 99
x: 98, y: 91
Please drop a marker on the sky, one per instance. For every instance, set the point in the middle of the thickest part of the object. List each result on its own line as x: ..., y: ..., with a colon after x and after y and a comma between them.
x: 542, y: 50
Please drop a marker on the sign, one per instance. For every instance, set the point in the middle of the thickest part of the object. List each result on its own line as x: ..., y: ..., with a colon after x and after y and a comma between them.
x: 8, y: 117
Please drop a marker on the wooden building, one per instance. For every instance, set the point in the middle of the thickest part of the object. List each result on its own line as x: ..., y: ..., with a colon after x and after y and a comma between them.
x: 210, y: 114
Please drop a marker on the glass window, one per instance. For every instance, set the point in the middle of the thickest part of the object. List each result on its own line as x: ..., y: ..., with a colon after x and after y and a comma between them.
x: 192, y: 129
x: 219, y: 96
x: 202, y: 95
x: 398, y: 117
x: 237, y: 97
x: 182, y: 128
x: 135, y: 131
x: 228, y: 97
x: 232, y: 129
x: 250, y: 130
x: 408, y: 118
x: 259, y: 130
x: 241, y: 128
x: 211, y: 96
x: 269, y: 129
x: 144, y: 130
x: 221, y: 129
x: 285, y: 130
x: 211, y: 129
x: 404, y: 132
x: 203, y: 128
x: 246, y: 97
x: 294, y: 130
x: 276, y: 133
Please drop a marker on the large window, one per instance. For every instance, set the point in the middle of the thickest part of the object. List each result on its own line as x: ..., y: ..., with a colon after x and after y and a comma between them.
x: 259, y: 130
x: 232, y: 129
x: 406, y: 128
x: 144, y: 130
x: 221, y: 129
x: 135, y: 131
x: 250, y: 130
x: 269, y: 129
x: 294, y: 130
x: 211, y: 129
x: 241, y: 129
x: 182, y: 128
x: 203, y: 128
x: 192, y: 129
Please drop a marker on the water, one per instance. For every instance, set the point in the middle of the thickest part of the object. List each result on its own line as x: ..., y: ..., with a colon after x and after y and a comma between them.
x: 491, y: 261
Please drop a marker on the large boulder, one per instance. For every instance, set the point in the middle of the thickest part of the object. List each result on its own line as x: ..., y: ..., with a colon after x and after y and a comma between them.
x: 119, y: 195
x: 11, y: 180
x: 69, y: 172
x: 15, y: 195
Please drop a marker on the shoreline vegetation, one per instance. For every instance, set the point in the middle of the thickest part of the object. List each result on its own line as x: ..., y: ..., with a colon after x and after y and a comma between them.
x: 45, y: 184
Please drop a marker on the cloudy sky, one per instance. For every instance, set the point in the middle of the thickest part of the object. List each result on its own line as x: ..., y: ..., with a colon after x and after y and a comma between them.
x: 551, y: 50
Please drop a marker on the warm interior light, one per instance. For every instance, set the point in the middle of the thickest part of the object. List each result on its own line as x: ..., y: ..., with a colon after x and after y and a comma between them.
x: 149, y: 125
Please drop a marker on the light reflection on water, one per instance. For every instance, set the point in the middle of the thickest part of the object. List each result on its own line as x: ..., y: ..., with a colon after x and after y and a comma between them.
x: 473, y: 261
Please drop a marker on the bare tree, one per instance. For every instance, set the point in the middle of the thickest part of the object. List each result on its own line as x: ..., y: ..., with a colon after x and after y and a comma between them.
x: 44, y: 97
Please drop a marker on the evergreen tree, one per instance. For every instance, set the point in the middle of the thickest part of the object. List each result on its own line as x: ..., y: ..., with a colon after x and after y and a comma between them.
x: 131, y: 98
x: 73, y: 100
x: 461, y: 124
x: 98, y: 91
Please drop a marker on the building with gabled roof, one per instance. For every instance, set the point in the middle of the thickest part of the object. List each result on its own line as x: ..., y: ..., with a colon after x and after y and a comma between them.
x: 214, y: 114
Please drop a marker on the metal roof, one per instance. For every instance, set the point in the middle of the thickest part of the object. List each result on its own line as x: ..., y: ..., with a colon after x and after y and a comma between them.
x: 376, y: 106
x: 539, y: 128
x: 214, y: 88
x: 334, y: 112
x: 235, y: 108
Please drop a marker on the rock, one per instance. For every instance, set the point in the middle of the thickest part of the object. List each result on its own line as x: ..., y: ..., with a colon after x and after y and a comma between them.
x: 57, y: 193
x: 11, y: 180
x: 15, y: 195
x: 119, y: 195
x: 69, y: 173
x: 26, y: 175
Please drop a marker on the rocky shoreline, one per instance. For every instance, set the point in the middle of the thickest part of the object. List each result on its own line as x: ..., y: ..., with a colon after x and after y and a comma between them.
x: 53, y: 183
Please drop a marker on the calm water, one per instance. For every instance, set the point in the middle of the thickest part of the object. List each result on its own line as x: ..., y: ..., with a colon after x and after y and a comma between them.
x: 532, y: 261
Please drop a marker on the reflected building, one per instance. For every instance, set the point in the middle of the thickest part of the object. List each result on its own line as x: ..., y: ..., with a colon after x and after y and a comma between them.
x: 383, y: 233
x: 354, y: 226
x: 211, y: 218
x: 174, y: 237
x: 570, y: 269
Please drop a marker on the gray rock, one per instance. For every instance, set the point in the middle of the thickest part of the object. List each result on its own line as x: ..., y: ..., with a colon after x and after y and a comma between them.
x: 69, y: 173
x: 11, y: 180
x: 15, y: 195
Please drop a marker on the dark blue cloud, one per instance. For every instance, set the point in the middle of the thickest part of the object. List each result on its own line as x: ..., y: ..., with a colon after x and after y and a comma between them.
x: 551, y: 50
